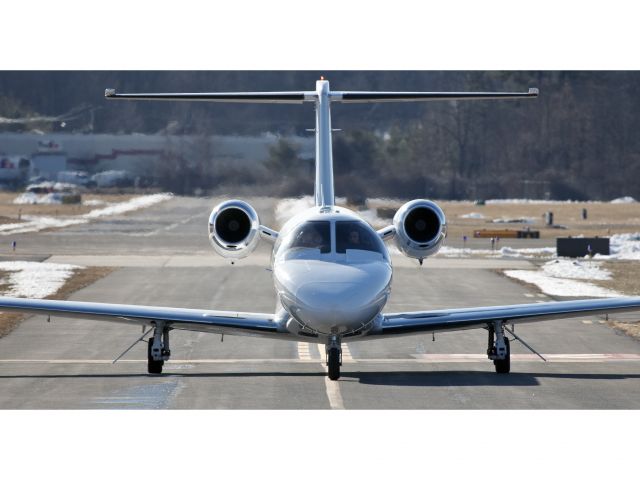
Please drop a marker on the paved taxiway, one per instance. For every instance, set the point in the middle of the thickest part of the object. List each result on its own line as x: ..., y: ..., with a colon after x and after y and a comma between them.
x: 67, y: 363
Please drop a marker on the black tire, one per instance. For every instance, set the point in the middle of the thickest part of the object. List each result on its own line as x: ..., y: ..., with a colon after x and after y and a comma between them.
x: 334, y: 364
x: 153, y: 366
x: 504, y: 366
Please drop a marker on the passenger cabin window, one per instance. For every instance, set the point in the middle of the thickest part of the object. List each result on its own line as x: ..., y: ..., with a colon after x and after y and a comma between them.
x: 356, y: 236
x: 314, y: 234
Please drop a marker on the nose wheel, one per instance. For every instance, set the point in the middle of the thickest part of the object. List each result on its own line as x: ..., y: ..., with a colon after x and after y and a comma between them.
x: 333, y: 362
x: 334, y: 358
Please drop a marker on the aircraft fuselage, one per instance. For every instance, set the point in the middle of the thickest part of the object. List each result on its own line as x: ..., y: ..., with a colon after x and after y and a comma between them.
x: 332, y: 273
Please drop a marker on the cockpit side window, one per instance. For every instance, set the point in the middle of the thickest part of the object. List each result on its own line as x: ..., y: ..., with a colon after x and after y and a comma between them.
x: 314, y: 234
x: 356, y: 236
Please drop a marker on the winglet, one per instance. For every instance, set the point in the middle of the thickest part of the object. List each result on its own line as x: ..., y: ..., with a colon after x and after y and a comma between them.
x: 110, y: 92
x: 534, y: 91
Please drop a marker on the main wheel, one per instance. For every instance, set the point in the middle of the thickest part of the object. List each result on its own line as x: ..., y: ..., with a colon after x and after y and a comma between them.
x: 504, y: 366
x: 334, y: 364
x: 153, y: 366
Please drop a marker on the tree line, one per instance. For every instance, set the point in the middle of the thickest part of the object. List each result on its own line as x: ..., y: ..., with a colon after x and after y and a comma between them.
x: 577, y: 140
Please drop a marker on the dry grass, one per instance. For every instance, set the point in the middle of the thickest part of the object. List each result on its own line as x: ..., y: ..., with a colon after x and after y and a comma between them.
x: 625, y: 277
x: 630, y: 328
x: 603, y: 218
x: 10, y: 212
x: 80, y: 279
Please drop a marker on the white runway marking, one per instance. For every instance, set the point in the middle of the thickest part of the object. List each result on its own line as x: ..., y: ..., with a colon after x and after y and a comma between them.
x: 333, y: 394
x: 526, y: 357
x: 587, y: 322
x: 332, y: 386
x: 346, y: 353
x: 303, y: 351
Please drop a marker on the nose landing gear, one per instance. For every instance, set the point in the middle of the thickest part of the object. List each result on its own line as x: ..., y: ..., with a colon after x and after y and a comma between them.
x: 334, y: 357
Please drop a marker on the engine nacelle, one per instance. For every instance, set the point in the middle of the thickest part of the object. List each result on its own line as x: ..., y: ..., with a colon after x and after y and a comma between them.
x: 420, y: 228
x: 234, y: 229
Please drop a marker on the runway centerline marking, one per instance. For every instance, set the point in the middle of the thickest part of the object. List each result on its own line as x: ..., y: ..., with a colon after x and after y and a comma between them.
x: 332, y: 387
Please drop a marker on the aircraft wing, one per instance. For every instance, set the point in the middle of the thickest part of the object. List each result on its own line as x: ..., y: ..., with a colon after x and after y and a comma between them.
x: 234, y: 323
x: 464, y: 318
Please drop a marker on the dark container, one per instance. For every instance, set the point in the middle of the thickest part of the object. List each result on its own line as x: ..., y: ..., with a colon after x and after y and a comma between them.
x: 580, y: 247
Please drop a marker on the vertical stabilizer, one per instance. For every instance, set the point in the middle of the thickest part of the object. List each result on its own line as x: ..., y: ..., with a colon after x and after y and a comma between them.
x: 324, y: 196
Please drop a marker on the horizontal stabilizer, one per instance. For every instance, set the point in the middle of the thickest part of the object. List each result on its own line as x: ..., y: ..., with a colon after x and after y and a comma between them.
x: 300, y: 97
x: 240, y: 97
x: 366, y: 97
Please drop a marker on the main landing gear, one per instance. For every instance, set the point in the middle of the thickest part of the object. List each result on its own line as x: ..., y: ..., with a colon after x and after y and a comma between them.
x: 334, y: 357
x: 498, y: 349
x: 158, y: 349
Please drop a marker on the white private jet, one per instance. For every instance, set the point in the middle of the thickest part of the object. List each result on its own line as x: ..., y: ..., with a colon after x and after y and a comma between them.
x: 331, y: 270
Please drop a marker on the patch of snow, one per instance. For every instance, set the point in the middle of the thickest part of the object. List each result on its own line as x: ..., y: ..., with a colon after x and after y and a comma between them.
x: 472, y: 215
x: 135, y: 203
x: 37, y: 223
x: 34, y: 279
x: 560, y: 278
x: 94, y: 203
x: 560, y: 287
x: 27, y: 198
x: 625, y: 246
x: 577, y: 269
x: 498, y: 201
x: 624, y: 200
x: 515, y: 220
x: 504, y: 252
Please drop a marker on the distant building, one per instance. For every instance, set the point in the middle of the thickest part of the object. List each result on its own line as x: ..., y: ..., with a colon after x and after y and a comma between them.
x: 48, y: 164
x: 49, y: 160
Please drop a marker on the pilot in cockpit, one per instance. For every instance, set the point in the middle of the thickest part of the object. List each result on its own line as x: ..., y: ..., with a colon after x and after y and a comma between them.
x: 353, y: 240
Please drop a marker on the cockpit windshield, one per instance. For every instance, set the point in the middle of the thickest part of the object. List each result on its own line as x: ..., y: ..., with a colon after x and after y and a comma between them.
x: 313, y: 234
x: 352, y: 235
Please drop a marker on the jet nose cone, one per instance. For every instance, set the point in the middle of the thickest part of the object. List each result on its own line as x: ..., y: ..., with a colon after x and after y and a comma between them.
x: 332, y: 297
x: 331, y: 307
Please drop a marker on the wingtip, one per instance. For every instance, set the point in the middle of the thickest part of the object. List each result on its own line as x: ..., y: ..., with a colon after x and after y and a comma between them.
x: 534, y: 92
x: 110, y: 92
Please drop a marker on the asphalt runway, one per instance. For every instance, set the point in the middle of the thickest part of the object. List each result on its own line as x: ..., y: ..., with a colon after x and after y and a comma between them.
x: 163, y: 258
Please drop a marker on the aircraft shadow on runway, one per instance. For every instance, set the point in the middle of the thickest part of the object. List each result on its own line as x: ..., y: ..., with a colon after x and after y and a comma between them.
x: 472, y: 378
x: 396, y: 378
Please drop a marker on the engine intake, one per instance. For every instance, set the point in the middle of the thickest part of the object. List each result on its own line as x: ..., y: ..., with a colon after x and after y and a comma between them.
x: 234, y: 229
x: 420, y: 228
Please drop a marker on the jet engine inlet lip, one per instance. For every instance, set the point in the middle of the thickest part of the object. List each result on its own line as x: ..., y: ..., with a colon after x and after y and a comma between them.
x: 234, y: 229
